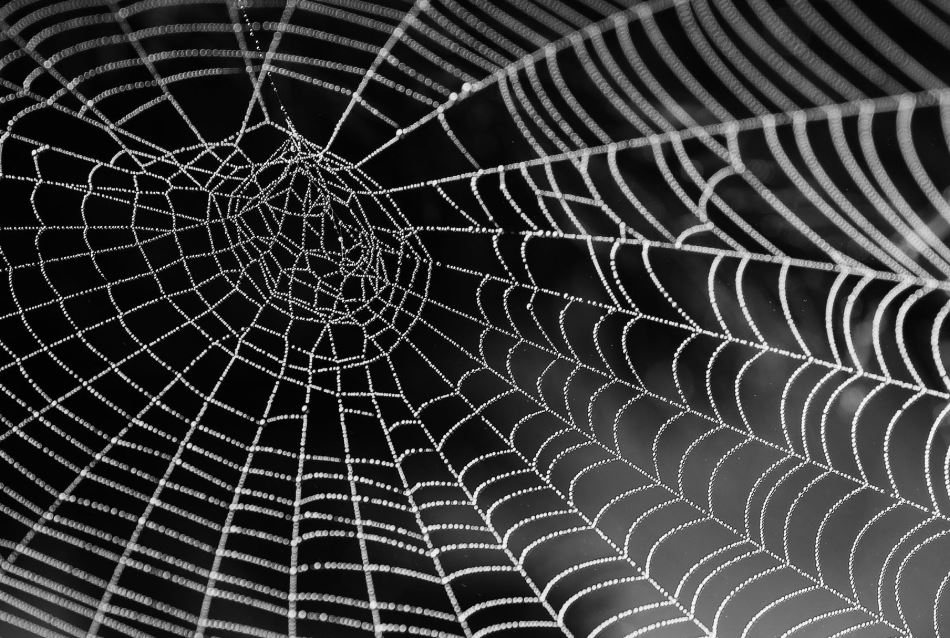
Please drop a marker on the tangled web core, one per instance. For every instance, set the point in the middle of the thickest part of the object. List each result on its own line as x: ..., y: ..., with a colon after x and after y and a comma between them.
x: 468, y: 318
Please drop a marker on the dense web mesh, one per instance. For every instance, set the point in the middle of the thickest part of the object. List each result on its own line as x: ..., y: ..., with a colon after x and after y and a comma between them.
x: 470, y: 318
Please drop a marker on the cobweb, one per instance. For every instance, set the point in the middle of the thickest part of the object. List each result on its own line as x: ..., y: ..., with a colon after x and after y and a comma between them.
x: 463, y: 318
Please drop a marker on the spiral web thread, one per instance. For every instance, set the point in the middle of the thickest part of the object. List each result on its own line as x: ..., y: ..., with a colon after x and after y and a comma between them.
x: 463, y: 318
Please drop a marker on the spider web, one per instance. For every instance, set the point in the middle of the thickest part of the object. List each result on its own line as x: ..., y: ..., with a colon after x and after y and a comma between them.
x: 459, y: 318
